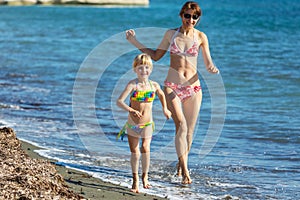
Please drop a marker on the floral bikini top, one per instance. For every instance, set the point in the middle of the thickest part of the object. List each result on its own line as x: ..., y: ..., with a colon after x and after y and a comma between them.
x: 143, y: 95
x: 192, y: 51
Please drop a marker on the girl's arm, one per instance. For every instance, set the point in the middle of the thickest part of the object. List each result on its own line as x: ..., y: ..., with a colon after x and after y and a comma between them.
x: 121, y: 100
x: 155, y: 54
x: 163, y: 101
x: 206, y: 55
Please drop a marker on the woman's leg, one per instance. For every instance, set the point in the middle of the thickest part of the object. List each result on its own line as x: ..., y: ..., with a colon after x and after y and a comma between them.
x: 133, y: 141
x: 174, y: 105
x: 191, y: 108
x: 145, y: 150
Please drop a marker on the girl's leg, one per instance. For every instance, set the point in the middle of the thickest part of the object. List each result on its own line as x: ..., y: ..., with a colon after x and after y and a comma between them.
x: 145, y: 150
x: 174, y: 105
x: 133, y: 141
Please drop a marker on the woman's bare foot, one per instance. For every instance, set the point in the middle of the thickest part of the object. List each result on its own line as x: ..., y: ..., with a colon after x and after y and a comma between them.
x: 145, y: 181
x: 179, y: 171
x: 186, y: 179
x: 135, y: 184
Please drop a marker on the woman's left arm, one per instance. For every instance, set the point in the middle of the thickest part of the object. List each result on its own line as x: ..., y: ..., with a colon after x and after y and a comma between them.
x: 206, y: 54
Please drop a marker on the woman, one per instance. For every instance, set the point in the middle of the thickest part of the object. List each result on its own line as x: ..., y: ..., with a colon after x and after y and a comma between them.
x: 182, y: 85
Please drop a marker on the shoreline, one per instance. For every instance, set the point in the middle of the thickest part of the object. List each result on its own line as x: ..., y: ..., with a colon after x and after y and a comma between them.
x: 76, y: 2
x: 84, y: 184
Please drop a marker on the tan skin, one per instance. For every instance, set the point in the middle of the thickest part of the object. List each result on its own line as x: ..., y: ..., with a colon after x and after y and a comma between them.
x: 140, y: 113
x: 183, y: 70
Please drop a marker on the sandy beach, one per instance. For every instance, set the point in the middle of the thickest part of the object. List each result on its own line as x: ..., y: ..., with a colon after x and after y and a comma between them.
x: 75, y: 184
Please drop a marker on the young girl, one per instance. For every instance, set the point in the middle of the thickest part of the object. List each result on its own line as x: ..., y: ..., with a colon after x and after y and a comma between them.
x: 140, y: 124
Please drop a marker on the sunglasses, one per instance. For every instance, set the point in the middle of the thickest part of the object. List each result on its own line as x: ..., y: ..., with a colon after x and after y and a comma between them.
x: 188, y: 16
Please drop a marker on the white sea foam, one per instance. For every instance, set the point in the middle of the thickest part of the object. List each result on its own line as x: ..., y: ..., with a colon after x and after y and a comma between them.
x: 166, y: 190
x: 4, y: 123
x: 33, y: 143
x: 15, y: 107
x: 166, y: 186
x: 228, y: 185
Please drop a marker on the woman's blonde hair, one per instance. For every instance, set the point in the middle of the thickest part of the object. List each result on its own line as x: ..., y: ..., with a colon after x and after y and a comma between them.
x: 142, y: 59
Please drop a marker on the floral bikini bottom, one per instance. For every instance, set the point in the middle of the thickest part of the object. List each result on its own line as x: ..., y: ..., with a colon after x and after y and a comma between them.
x: 183, y: 92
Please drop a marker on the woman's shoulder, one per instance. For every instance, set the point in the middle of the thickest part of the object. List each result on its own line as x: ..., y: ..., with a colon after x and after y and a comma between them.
x: 170, y: 32
x: 173, y: 29
x: 200, y: 33
x: 202, y: 36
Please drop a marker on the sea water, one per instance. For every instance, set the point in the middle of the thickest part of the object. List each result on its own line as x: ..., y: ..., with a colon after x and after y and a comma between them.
x: 62, y: 68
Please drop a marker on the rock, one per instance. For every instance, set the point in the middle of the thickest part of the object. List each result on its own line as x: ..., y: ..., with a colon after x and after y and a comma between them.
x: 23, y: 177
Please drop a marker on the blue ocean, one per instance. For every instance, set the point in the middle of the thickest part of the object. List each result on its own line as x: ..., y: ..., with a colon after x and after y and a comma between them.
x: 62, y: 68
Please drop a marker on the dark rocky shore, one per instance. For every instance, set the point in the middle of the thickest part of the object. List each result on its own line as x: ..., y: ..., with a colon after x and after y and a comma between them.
x: 23, y: 177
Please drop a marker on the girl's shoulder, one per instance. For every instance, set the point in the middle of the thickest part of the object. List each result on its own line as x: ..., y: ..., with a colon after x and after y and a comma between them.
x: 132, y: 83
x: 133, y: 80
x: 155, y: 84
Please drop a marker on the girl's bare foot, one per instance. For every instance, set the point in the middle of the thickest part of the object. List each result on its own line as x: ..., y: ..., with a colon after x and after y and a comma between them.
x: 186, y: 179
x: 135, y: 184
x: 145, y: 181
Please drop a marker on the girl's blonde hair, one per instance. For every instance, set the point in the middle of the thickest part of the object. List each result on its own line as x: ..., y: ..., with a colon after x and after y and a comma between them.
x: 142, y: 59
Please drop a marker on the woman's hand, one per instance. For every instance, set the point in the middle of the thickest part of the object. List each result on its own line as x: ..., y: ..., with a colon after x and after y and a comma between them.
x: 130, y: 35
x: 213, y: 69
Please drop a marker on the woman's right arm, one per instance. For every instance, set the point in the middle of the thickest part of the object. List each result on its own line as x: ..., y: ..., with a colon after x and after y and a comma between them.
x: 155, y: 54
